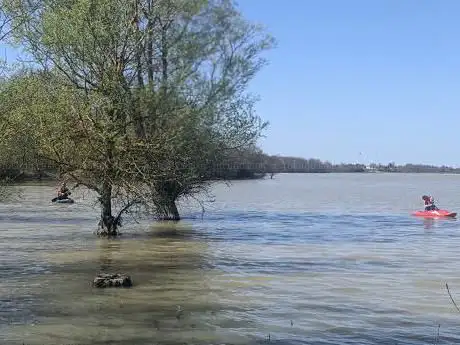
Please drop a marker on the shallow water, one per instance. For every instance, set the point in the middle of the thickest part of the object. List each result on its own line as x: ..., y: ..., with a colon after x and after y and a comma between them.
x: 300, y: 259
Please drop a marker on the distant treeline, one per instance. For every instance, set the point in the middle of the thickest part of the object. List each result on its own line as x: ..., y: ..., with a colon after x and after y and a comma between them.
x: 256, y: 164
x: 251, y: 164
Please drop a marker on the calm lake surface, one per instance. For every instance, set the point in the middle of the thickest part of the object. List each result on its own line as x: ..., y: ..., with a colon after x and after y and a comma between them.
x: 300, y: 259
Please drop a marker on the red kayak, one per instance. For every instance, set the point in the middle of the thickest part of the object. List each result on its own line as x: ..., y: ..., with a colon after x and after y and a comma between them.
x: 435, y: 214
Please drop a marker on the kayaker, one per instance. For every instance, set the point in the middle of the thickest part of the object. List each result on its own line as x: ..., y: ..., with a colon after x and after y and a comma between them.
x: 63, y: 192
x: 429, y: 203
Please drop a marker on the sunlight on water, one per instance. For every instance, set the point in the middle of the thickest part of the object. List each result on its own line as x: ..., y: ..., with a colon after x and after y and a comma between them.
x: 312, y: 259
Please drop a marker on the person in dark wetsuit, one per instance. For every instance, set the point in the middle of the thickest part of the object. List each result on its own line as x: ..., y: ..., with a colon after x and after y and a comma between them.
x: 63, y: 192
x: 429, y: 203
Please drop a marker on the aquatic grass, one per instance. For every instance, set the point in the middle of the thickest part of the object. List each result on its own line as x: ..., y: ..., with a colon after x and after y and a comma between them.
x: 436, y: 338
x: 451, y: 298
x: 437, y: 334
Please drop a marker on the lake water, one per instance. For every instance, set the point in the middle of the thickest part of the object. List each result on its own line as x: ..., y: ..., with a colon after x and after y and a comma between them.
x: 300, y: 259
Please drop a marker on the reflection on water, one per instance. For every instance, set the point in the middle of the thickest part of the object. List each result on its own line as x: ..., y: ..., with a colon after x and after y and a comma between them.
x: 108, y: 249
x: 251, y: 269
x: 434, y: 223
x: 429, y: 223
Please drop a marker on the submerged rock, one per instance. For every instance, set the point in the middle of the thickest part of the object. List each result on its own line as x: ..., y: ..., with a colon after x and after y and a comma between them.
x: 104, y: 280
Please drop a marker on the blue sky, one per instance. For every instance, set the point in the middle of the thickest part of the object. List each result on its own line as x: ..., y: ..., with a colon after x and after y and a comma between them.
x: 361, y: 80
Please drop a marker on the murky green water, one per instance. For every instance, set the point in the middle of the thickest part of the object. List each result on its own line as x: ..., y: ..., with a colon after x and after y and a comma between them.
x: 306, y: 259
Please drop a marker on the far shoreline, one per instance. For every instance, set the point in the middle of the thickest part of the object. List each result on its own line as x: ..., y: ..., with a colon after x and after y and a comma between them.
x: 46, y: 178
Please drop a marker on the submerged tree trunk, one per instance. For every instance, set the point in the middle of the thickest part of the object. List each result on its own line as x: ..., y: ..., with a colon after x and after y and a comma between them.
x: 166, y: 207
x: 108, y: 225
x: 168, y: 211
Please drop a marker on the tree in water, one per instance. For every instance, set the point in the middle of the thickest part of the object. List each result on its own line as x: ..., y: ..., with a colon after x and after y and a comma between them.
x: 200, y: 57
x: 137, y: 101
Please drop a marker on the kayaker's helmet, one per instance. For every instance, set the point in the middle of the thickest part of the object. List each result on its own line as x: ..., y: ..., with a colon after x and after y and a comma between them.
x: 425, y: 197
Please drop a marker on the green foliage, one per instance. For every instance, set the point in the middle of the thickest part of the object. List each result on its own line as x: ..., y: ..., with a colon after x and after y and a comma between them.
x: 135, y: 99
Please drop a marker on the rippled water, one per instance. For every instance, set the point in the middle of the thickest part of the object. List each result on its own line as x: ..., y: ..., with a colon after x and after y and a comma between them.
x: 300, y: 259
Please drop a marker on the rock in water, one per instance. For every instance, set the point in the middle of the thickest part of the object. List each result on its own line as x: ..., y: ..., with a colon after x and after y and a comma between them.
x: 104, y: 280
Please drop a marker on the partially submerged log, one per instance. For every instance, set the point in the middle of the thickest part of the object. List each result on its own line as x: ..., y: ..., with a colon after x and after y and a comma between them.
x: 104, y: 280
